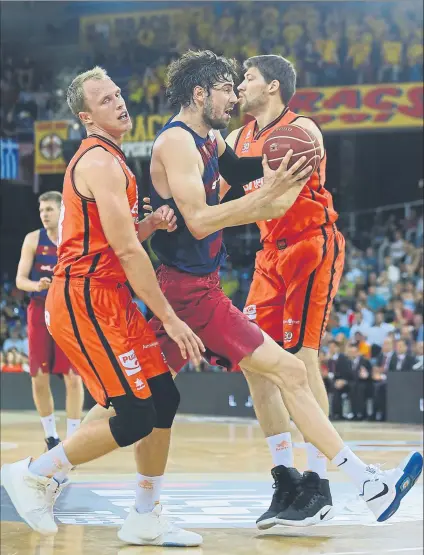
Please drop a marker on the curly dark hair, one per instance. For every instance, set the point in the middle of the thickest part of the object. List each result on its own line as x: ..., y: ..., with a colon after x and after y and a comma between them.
x: 192, y: 69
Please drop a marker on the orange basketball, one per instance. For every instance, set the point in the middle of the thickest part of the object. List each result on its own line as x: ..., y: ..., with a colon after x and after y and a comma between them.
x: 303, y: 143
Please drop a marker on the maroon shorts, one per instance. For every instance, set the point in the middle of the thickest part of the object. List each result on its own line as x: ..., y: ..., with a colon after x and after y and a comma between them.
x: 44, y: 354
x: 226, y: 332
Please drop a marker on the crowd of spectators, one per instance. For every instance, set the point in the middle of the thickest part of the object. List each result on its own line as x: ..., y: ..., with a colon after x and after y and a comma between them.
x: 330, y: 43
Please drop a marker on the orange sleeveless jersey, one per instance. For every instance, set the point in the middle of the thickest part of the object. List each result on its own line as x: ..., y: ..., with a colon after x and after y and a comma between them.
x: 83, y: 250
x: 313, y: 207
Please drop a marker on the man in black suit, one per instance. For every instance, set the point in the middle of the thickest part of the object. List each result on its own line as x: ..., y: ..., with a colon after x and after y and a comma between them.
x: 402, y: 360
x: 379, y: 377
x: 340, y: 371
x: 363, y: 385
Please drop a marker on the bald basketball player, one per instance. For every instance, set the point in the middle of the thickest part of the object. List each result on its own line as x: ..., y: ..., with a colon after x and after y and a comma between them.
x: 187, y: 159
x: 91, y: 315
x: 296, y: 278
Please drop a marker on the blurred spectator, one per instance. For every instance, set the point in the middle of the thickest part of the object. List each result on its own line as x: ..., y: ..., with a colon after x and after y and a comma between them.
x: 418, y: 352
x: 359, y: 325
x: 378, y: 333
x: 363, y: 387
x: 401, y: 360
x: 15, y: 340
x: 340, y: 371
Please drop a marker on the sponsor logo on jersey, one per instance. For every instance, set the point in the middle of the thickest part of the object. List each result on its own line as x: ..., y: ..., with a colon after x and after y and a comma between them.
x: 154, y: 344
x: 246, y: 147
x: 130, y: 363
x: 46, y: 268
x: 250, y: 311
x: 291, y: 322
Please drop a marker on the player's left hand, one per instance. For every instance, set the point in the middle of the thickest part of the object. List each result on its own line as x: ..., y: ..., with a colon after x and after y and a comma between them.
x: 164, y: 218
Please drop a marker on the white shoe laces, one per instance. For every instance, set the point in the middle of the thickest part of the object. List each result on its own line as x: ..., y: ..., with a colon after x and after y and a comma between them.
x: 46, y: 494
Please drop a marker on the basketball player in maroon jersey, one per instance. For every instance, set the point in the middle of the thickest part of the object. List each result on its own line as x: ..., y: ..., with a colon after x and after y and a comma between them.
x: 34, y: 275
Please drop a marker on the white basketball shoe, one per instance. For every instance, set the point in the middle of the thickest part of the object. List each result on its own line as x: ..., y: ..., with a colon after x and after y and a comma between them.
x: 32, y: 496
x: 155, y: 529
x: 384, y: 490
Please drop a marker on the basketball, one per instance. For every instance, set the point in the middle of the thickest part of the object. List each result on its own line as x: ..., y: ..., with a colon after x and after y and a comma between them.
x: 303, y: 143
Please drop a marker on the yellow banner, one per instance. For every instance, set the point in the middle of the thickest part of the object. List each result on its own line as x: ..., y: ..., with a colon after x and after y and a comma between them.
x: 363, y: 106
x: 116, y: 27
x: 48, y: 137
x: 146, y: 127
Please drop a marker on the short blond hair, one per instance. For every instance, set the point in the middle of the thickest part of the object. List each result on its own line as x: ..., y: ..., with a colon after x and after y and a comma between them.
x: 75, y: 93
x: 54, y: 196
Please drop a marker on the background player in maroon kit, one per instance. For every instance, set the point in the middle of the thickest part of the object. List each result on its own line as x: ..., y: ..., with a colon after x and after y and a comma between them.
x: 35, y: 270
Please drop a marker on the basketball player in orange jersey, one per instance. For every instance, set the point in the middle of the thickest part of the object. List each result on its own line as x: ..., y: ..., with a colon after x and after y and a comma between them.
x: 90, y: 313
x: 187, y: 158
x: 34, y: 275
x: 296, y: 278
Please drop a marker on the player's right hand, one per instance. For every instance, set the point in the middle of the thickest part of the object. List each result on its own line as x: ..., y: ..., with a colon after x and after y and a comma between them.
x: 185, y: 338
x: 282, y: 179
x: 43, y: 284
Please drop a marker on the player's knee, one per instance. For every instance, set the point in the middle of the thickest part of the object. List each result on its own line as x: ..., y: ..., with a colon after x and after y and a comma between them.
x: 72, y: 381
x: 294, y: 375
x: 166, y: 398
x: 41, y: 380
x: 135, y: 418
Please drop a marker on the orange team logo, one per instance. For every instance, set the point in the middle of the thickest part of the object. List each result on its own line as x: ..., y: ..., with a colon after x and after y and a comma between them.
x: 282, y: 446
x: 146, y: 484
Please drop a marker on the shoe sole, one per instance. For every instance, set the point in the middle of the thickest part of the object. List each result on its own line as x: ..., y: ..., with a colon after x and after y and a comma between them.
x: 266, y: 523
x: 412, y: 468
x: 6, y: 481
x: 132, y: 540
x: 311, y: 520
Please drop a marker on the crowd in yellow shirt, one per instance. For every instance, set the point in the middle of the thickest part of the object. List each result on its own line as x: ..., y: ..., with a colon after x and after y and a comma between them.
x: 336, y: 43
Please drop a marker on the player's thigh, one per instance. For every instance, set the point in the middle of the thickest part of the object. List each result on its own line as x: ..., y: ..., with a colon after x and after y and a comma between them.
x: 265, y: 301
x: 276, y: 364
x: 89, y: 325
x: 146, y: 345
x: 40, y: 343
x: 311, y: 291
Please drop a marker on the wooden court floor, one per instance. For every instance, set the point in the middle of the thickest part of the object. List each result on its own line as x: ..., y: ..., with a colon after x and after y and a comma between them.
x: 217, y: 484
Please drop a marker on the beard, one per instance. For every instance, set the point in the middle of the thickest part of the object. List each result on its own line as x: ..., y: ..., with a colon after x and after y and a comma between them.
x: 210, y: 118
x: 252, y: 104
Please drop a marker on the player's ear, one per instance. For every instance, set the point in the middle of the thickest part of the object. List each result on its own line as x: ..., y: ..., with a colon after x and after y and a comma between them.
x: 85, y: 118
x: 199, y: 94
x: 274, y: 86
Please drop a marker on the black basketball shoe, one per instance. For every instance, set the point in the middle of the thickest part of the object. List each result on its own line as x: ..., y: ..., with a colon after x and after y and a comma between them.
x: 286, y: 482
x: 313, y: 503
x: 51, y: 442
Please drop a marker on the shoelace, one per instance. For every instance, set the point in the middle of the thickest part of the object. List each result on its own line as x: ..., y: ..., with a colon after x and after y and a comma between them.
x: 46, y: 495
x: 307, y: 489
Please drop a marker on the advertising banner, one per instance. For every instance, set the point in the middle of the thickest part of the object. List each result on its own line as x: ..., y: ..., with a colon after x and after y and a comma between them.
x: 49, y: 137
x: 381, y: 106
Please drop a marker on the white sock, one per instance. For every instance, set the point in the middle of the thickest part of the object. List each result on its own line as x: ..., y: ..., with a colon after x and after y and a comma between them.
x: 317, y: 462
x: 281, y: 449
x: 53, y: 463
x: 72, y: 425
x: 352, y: 465
x: 49, y: 425
x: 147, y: 492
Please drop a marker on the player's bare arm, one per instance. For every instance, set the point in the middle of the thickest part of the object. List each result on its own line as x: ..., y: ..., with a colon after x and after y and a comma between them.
x: 177, y: 156
x: 25, y: 264
x: 101, y: 178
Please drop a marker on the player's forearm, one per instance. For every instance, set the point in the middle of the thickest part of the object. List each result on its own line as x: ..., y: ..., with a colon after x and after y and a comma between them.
x: 142, y: 278
x: 252, y: 208
x: 26, y: 284
x: 145, y: 229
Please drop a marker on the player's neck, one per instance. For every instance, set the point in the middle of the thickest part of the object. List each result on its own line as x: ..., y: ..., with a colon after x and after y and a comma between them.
x: 94, y: 130
x: 52, y: 235
x: 194, y: 120
x: 268, y: 115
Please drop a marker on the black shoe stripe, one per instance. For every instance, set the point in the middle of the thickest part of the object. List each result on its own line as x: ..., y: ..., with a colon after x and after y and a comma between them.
x: 383, y: 492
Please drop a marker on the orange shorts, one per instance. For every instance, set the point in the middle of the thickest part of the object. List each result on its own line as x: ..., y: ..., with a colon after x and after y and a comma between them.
x: 294, y: 285
x: 105, y: 337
